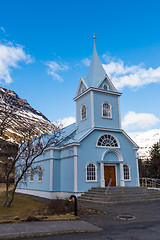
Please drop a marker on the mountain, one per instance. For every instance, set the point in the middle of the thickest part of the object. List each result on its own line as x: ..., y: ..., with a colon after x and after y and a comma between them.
x: 145, y: 141
x: 20, y: 115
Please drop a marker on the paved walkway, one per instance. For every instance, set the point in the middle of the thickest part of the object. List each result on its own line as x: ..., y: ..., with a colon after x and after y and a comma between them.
x: 35, y: 229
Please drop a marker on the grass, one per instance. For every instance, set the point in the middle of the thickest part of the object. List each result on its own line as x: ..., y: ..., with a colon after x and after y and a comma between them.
x: 27, y: 209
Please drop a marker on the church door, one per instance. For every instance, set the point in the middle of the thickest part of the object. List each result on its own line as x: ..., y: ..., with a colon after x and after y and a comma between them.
x: 109, y: 173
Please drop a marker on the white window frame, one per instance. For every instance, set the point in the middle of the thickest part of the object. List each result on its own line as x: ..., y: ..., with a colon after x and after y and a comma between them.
x: 129, y: 170
x: 110, y: 117
x: 25, y: 177
x: 31, y: 174
x: 107, y: 146
x: 82, y: 89
x: 95, y: 172
x: 83, y: 105
x: 18, y: 174
x: 40, y: 179
x: 105, y: 84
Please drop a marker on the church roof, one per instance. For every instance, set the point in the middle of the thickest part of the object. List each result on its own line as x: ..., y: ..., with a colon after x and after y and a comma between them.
x: 96, y: 71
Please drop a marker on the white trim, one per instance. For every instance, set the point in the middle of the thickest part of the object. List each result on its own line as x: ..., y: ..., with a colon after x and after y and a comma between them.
x: 105, y: 84
x: 51, y: 170
x: 106, y: 102
x: 47, y: 194
x: 92, y: 110
x: 76, y: 116
x: 40, y: 181
x: 83, y: 105
x: 112, y: 151
x: 95, y: 172
x: 107, y: 146
x: 129, y: 169
x: 106, y: 76
x: 138, y: 183
x: 130, y: 139
x: 122, y: 183
x: 31, y: 181
x: 81, y: 81
x: 75, y: 169
x: 119, y: 111
x: 97, y: 90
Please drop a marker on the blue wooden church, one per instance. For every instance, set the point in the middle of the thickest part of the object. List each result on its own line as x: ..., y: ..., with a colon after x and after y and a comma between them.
x: 94, y: 150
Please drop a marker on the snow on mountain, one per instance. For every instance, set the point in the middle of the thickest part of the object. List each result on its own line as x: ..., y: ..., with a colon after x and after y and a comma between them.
x: 23, y: 116
x: 145, y: 141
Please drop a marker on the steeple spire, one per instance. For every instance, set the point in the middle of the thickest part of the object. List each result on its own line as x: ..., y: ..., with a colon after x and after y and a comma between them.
x: 96, y: 71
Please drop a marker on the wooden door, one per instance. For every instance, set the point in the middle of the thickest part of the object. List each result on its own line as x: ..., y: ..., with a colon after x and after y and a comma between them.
x: 109, y: 173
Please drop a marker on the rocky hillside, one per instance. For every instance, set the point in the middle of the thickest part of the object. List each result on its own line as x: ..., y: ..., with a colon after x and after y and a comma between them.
x: 18, y: 114
x: 145, y: 141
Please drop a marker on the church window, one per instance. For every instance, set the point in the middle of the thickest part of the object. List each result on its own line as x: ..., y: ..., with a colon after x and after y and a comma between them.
x: 40, y: 174
x: 91, y: 172
x: 105, y: 87
x: 31, y: 174
x: 126, y: 172
x: 106, y: 110
x: 25, y: 177
x: 18, y: 174
x: 107, y: 140
x: 83, y: 112
x: 82, y: 89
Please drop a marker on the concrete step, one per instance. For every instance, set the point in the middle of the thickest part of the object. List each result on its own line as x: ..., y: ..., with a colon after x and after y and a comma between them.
x: 107, y: 198
x: 116, y: 202
x: 120, y: 195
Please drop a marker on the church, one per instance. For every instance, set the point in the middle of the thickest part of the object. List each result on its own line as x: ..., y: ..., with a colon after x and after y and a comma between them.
x: 94, y: 150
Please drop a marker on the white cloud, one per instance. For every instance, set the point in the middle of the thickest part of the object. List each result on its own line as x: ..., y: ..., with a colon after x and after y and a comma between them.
x: 132, y: 76
x: 138, y: 121
x: 10, y: 57
x: 65, y: 121
x: 54, y: 68
x: 2, y: 29
x: 86, y: 62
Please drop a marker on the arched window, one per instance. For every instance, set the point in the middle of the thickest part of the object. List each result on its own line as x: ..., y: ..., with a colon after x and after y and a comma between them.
x: 82, y: 89
x: 25, y: 177
x: 107, y: 140
x: 18, y: 174
x: 105, y: 87
x: 91, y: 172
x: 106, y: 110
x: 31, y: 174
x: 40, y: 174
x: 126, y: 172
x: 83, y: 112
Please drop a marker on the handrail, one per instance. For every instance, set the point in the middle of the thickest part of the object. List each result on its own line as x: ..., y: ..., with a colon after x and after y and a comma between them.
x: 150, y: 182
x: 107, y: 188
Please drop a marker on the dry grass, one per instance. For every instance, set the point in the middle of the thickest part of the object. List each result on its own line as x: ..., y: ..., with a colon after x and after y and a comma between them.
x: 27, y: 209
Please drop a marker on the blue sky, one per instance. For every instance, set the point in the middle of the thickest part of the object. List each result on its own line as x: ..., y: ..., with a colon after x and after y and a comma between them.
x: 45, y: 47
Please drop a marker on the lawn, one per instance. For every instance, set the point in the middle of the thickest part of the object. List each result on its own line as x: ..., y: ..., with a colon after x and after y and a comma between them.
x: 27, y: 209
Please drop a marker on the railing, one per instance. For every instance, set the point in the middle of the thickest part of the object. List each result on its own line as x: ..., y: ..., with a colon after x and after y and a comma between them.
x: 149, y: 182
x: 107, y: 188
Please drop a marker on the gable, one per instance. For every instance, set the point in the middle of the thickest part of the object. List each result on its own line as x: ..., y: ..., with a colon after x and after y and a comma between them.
x: 81, y: 87
x: 106, y: 84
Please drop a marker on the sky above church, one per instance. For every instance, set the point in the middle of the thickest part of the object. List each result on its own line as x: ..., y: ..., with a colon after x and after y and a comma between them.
x: 46, y: 46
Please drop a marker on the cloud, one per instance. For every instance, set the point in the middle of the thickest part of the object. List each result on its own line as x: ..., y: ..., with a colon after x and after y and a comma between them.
x: 65, y: 121
x: 54, y: 68
x: 133, y: 76
x: 10, y: 57
x: 137, y: 121
x: 2, y: 29
x: 86, y: 62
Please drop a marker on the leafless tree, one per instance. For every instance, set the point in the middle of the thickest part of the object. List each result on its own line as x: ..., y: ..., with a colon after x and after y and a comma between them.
x: 27, y: 142
x: 28, y: 152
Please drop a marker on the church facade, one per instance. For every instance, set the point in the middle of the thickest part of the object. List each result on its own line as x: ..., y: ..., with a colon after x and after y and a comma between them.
x: 93, y: 151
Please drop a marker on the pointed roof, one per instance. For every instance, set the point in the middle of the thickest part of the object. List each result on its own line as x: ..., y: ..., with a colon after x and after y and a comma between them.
x: 96, y: 71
